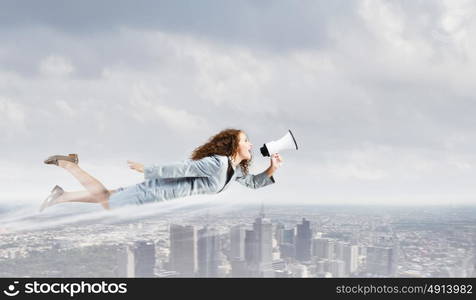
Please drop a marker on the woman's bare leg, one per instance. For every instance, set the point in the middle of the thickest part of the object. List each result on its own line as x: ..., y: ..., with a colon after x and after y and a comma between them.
x: 81, y: 196
x: 97, y: 191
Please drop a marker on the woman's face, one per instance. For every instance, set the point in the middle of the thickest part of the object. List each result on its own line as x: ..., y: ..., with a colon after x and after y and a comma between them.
x: 244, y: 147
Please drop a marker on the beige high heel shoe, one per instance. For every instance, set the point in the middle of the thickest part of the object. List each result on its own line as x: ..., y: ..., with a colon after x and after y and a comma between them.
x: 53, y: 160
x: 51, y: 199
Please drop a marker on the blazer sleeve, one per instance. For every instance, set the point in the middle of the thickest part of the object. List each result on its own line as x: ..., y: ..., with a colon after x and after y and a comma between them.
x: 255, y: 181
x: 205, y: 167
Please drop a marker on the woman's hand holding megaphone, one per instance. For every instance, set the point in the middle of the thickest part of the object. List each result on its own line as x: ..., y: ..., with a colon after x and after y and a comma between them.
x: 276, y: 162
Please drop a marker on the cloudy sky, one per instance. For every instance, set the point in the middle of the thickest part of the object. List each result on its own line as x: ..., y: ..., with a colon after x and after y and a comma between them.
x: 379, y: 94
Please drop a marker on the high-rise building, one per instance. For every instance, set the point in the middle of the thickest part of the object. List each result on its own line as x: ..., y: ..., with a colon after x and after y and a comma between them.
x: 381, y: 261
x: 264, y: 236
x: 137, y: 260
x: 237, y: 242
x: 144, y: 258
x: 251, y: 247
x: 288, y: 236
x: 331, y: 249
x: 303, y: 241
x: 279, y: 233
x: 351, y: 258
x: 322, y: 266
x: 259, y: 247
x: 339, y: 250
x: 239, y: 268
x: 286, y: 245
x: 337, y: 268
x: 323, y: 248
x: 125, y: 261
x: 287, y: 250
x: 208, y: 252
x: 183, y: 253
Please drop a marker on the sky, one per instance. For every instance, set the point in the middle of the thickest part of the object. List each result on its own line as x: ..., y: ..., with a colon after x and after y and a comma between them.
x: 379, y: 94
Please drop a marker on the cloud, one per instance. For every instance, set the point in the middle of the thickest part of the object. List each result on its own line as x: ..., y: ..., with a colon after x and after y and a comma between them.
x: 12, y: 118
x: 65, y: 108
x: 180, y: 119
x: 378, y: 94
x: 12, y: 112
x: 56, y: 66
x: 148, y: 103
x: 277, y: 25
x: 27, y: 218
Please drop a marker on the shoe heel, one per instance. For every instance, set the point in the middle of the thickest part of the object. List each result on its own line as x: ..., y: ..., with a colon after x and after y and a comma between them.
x: 74, y: 156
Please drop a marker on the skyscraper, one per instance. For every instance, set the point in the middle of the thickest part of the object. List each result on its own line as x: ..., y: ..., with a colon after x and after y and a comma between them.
x: 337, y: 268
x: 237, y: 242
x: 259, y: 247
x: 264, y: 235
x: 278, y: 235
x: 351, y: 258
x: 251, y: 247
x: 339, y: 250
x: 208, y: 252
x: 288, y: 236
x: 323, y: 248
x: 183, y: 254
x: 381, y: 261
x: 239, y: 268
x: 144, y: 258
x: 303, y: 241
x: 125, y: 262
x: 287, y: 250
x: 322, y: 266
x: 137, y: 260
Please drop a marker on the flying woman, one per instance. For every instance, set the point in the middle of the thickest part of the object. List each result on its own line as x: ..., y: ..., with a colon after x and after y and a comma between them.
x: 225, y: 157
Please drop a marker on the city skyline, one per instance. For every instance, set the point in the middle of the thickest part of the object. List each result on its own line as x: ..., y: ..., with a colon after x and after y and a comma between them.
x: 402, y: 242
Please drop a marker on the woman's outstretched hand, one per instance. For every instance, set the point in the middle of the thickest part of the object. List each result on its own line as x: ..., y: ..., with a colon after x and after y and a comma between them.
x: 276, y: 161
x: 136, y: 166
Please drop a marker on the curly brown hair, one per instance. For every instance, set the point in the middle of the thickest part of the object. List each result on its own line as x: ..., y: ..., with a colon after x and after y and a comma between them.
x: 223, y: 143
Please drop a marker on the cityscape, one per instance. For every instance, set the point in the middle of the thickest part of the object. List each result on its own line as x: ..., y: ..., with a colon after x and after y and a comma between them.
x: 275, y: 241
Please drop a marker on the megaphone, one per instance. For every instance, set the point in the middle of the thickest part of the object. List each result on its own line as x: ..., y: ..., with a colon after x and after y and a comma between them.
x: 286, y: 142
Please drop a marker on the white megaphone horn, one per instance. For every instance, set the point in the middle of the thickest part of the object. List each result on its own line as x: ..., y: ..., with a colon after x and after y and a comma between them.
x: 286, y: 142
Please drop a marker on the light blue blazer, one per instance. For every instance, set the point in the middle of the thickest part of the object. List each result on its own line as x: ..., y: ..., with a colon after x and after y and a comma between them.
x: 185, y: 178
